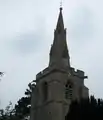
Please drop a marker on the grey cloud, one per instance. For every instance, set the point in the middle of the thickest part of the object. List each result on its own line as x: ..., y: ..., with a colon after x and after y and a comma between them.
x: 26, y: 43
x: 29, y: 42
x: 82, y: 29
x: 82, y: 23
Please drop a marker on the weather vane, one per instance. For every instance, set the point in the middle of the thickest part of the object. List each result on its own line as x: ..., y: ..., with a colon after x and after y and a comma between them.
x: 61, y: 4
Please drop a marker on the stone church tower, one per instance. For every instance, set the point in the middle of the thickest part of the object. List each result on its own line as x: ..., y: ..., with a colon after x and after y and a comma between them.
x: 59, y: 83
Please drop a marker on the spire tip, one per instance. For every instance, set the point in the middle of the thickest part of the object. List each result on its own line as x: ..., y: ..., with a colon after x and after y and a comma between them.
x: 61, y: 6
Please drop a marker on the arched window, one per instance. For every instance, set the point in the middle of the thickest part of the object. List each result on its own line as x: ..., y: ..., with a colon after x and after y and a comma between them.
x: 68, y: 91
x: 45, y: 91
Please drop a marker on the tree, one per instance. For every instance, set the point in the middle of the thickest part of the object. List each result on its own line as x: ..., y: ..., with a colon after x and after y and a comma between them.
x: 86, y: 109
x: 8, y: 113
x: 21, y: 109
x: 23, y: 105
x: 1, y: 74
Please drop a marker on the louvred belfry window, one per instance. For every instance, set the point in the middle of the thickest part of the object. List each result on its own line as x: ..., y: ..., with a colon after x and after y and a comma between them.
x: 68, y: 91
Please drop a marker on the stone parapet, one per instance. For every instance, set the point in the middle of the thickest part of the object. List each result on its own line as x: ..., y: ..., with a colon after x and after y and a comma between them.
x: 78, y: 73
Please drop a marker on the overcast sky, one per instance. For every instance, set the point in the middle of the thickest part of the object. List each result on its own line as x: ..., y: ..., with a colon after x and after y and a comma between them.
x: 26, y: 34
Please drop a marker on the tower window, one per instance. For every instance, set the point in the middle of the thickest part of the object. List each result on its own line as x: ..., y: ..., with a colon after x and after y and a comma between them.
x: 68, y: 91
x: 45, y: 91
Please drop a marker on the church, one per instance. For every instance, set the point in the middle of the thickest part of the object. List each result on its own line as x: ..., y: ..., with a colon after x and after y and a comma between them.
x: 58, y: 84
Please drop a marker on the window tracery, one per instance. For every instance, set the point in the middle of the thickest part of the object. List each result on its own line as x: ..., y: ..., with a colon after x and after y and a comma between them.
x: 68, y: 91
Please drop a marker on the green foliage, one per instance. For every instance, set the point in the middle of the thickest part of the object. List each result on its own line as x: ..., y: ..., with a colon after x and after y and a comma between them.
x: 21, y: 109
x: 24, y: 104
x: 86, y: 109
x: 1, y: 73
x: 8, y: 113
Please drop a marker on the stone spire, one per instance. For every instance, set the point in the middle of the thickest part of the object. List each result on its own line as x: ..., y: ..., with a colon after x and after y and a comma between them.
x: 60, y: 23
x: 59, y: 51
